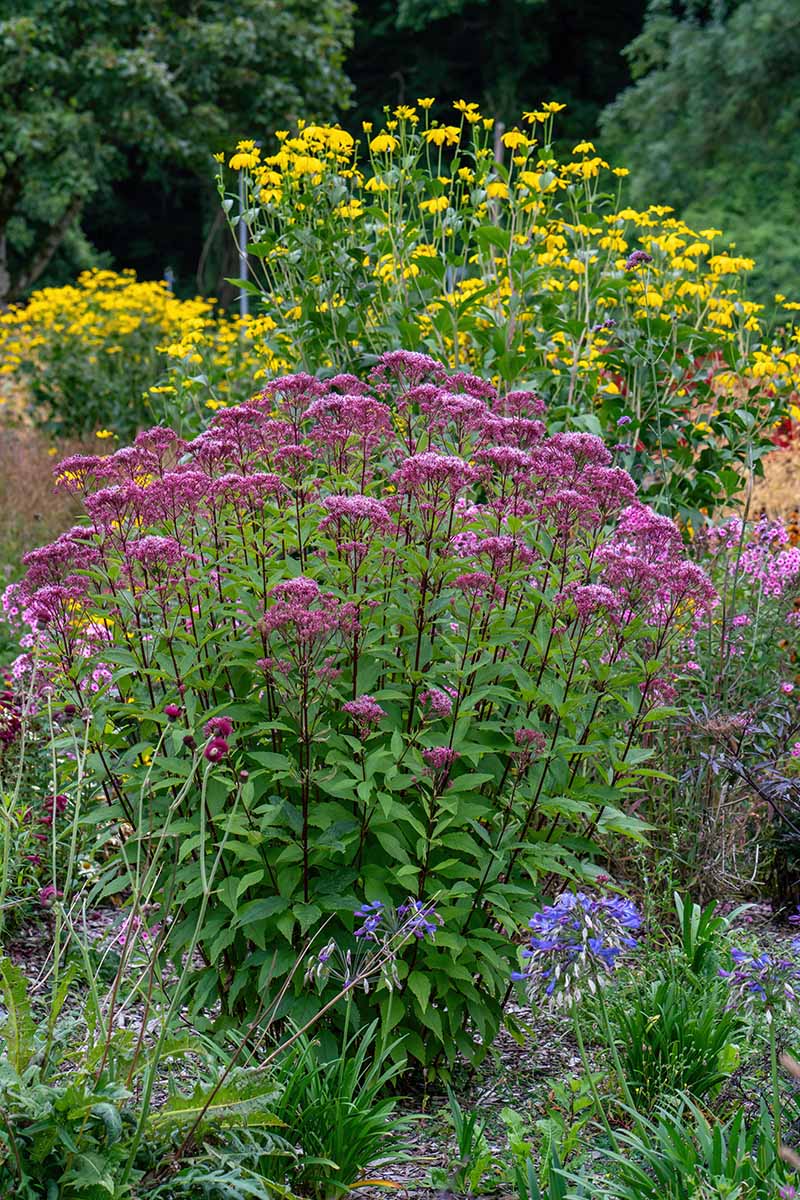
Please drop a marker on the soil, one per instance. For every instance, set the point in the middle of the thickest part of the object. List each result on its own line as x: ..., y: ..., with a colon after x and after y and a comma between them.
x: 778, y: 493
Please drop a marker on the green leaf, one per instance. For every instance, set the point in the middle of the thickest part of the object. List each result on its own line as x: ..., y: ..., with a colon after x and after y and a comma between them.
x: 18, y: 1029
x: 419, y: 985
x: 260, y: 910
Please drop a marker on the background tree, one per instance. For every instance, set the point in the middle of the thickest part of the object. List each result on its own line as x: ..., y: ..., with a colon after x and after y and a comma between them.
x: 505, y: 54
x: 711, y: 124
x: 97, y: 96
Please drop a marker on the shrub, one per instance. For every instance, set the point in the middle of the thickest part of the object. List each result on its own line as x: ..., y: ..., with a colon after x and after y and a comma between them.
x: 525, y: 268
x: 392, y: 641
x: 88, y: 353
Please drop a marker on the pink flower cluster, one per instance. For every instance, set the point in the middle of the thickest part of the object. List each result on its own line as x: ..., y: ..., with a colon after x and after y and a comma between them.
x: 296, y: 522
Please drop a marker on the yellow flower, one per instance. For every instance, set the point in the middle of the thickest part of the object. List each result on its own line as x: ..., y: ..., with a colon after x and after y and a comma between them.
x: 366, y: 126
x: 436, y: 205
x: 384, y: 143
x: 583, y: 148
x: 404, y: 112
x: 425, y: 101
x: 441, y: 135
x: 620, y: 171
x: 104, y: 433
x: 553, y: 106
x: 242, y: 161
x: 514, y: 138
x: 350, y: 209
x: 340, y: 140
x: 497, y: 190
x: 304, y: 164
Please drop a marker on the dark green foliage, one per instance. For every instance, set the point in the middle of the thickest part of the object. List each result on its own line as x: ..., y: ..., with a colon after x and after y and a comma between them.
x: 711, y: 124
x: 681, y: 1155
x: 674, y: 1035
x: 97, y: 91
x: 336, y: 1108
x: 507, y: 56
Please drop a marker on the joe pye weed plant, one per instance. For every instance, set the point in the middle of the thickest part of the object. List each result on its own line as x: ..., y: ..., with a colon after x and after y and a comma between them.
x: 414, y: 642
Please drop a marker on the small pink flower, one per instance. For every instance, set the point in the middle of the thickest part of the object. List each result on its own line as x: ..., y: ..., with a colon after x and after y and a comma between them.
x: 795, y: 751
x: 787, y: 688
x: 691, y: 665
x: 48, y: 895
x: 440, y: 758
x: 216, y: 750
x: 220, y: 727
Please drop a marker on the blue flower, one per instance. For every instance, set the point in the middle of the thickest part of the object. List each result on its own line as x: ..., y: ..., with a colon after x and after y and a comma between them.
x: 577, y: 941
x: 773, y: 982
x: 372, y: 916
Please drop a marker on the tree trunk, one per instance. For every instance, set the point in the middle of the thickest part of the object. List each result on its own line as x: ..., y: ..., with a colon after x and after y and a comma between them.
x: 43, y: 255
x: 5, y: 278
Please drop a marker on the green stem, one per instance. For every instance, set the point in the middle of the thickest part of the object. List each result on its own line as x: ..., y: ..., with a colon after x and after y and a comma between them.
x: 612, y: 1046
x: 776, y: 1092
x: 592, y: 1085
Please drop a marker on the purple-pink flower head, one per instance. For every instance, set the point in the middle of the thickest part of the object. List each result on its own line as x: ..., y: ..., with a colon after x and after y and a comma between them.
x: 639, y: 258
x: 407, y: 367
x: 356, y: 508
x: 172, y: 711
x: 300, y: 590
x: 216, y: 750
x: 472, y: 385
x: 218, y: 726
x: 591, y: 598
x: 530, y: 738
x: 76, y: 471
x: 156, y: 553
x: 507, y: 462
x: 436, y: 702
x: 475, y: 583
x: 113, y: 507
x: 430, y: 472
x: 520, y: 404
x: 440, y: 758
x: 585, y: 448
x: 365, y: 711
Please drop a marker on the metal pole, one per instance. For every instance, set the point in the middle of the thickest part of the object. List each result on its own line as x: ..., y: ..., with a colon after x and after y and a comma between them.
x: 244, y: 299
